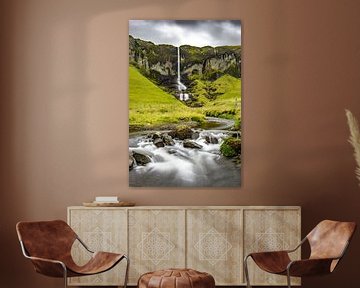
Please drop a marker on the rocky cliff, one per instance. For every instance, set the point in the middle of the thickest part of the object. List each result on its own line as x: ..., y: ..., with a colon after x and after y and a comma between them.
x: 159, y: 62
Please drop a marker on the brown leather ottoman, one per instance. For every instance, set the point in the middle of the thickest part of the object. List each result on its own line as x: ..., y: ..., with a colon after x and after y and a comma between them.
x: 176, y: 278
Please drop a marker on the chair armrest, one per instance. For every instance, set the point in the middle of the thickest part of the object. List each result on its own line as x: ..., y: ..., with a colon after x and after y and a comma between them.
x: 48, y: 267
x: 271, y: 261
x: 309, y: 267
x: 280, y: 251
x: 267, y: 254
x: 83, y: 244
x: 298, y: 246
x: 45, y: 260
x: 270, y: 252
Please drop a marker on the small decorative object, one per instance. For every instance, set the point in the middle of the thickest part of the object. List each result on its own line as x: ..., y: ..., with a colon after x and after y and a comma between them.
x: 184, y: 103
x: 108, y: 201
x: 120, y: 204
x: 354, y: 140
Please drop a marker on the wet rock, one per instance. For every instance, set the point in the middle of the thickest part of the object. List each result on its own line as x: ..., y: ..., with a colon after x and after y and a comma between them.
x: 141, y: 159
x: 181, y: 132
x: 158, y: 142
x: 236, y: 134
x: 211, y: 139
x: 131, y: 162
x: 167, y: 139
x: 156, y: 135
x: 231, y: 147
x: 172, y: 133
x: 237, y: 161
x: 191, y: 144
x: 195, y: 135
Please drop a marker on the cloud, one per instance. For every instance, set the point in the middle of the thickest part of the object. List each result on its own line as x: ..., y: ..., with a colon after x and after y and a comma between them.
x: 187, y: 32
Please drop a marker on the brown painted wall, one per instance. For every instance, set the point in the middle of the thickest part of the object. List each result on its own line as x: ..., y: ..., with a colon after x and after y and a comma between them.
x: 63, y: 112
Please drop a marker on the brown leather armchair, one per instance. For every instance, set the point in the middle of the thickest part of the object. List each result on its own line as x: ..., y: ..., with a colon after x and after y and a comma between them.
x: 328, y: 242
x: 48, y: 245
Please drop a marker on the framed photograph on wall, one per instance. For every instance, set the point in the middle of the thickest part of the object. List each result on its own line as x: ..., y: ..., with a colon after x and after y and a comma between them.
x: 184, y: 103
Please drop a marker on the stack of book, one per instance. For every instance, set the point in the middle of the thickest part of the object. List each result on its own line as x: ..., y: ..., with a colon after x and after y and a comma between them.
x: 106, y: 199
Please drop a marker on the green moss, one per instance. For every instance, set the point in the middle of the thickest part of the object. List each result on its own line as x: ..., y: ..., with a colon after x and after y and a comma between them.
x: 192, y: 55
x: 237, y: 125
x: 227, y: 103
x: 231, y: 147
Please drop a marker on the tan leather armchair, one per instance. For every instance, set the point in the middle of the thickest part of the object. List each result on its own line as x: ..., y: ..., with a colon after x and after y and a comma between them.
x: 48, y: 245
x: 328, y: 242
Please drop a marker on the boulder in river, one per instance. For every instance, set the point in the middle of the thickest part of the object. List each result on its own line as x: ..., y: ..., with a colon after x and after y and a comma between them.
x: 158, y: 142
x: 191, y: 144
x: 195, y: 135
x: 141, y: 159
x: 131, y: 162
x: 181, y: 132
x: 167, y: 139
x: 211, y: 139
x: 231, y: 147
x: 156, y: 135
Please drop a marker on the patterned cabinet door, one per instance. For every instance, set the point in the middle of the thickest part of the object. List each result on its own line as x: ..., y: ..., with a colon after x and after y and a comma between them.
x: 214, y: 244
x: 101, y: 230
x: 270, y: 230
x: 156, y: 240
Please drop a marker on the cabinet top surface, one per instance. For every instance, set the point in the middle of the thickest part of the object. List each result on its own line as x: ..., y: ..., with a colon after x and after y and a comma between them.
x: 193, y: 207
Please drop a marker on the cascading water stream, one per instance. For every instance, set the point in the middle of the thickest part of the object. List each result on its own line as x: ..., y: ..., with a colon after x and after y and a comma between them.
x: 179, y: 166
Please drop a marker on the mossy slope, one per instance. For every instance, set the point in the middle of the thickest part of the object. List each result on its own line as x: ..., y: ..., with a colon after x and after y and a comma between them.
x: 151, y: 106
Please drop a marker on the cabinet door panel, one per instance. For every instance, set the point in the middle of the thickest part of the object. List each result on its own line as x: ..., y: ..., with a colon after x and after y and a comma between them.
x: 156, y: 239
x: 270, y: 230
x: 100, y: 230
x: 214, y: 244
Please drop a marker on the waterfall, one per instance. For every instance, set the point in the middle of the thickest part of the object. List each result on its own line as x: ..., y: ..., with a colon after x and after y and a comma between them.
x: 178, y: 68
x: 181, y: 87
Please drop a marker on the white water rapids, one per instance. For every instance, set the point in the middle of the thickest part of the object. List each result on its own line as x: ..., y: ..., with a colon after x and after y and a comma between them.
x: 178, y: 166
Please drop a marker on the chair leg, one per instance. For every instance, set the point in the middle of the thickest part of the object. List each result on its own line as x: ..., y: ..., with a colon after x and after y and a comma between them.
x: 288, y: 278
x: 127, y: 271
x: 246, y: 270
x: 65, y: 276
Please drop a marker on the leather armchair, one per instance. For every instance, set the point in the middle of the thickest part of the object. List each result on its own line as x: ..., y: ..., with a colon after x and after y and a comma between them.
x: 48, y: 245
x: 328, y: 242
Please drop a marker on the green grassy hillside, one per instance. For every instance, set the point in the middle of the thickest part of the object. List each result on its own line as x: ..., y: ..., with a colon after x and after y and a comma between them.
x: 151, y: 106
x: 228, y: 103
x: 221, y: 98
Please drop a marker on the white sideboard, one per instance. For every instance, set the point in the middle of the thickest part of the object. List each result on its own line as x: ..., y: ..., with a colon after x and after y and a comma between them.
x: 211, y: 239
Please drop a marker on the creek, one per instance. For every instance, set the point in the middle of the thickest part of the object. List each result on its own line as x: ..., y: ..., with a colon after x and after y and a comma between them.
x: 177, y: 166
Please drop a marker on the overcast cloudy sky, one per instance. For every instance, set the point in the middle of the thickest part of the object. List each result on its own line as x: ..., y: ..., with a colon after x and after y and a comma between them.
x: 191, y: 32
